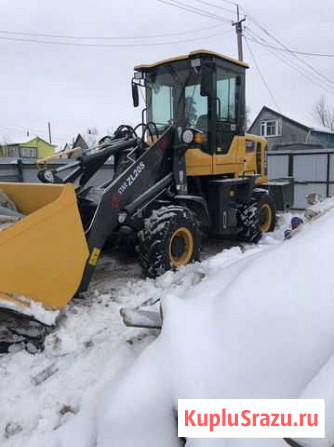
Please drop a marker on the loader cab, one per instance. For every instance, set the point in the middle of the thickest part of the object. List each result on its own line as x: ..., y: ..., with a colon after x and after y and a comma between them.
x: 205, y: 91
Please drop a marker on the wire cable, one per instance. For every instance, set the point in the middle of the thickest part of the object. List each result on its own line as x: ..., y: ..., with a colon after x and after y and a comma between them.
x: 261, y: 76
x: 221, y: 8
x: 286, y: 61
x: 188, y: 8
x: 296, y: 56
x: 105, y: 38
x: 299, y: 63
x: 296, y: 65
x: 304, y: 53
x: 230, y: 2
x: 14, y: 34
x: 130, y: 45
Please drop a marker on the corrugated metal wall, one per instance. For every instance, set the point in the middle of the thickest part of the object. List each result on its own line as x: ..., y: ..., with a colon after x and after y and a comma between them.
x: 313, y: 172
x: 17, y: 170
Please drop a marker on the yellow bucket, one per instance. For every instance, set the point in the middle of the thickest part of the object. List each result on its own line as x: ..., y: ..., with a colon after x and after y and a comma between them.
x: 42, y: 256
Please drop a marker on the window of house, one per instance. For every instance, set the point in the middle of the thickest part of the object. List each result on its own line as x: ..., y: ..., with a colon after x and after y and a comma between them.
x: 270, y: 128
x: 13, y: 152
x: 28, y: 152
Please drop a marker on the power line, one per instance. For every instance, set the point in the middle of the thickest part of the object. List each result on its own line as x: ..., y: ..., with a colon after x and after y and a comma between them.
x: 35, y: 37
x: 303, y: 65
x: 286, y: 61
x: 230, y: 2
x: 67, y: 36
x: 192, y: 9
x: 304, y: 53
x: 327, y: 80
x: 296, y: 65
x: 238, y: 23
x: 76, y: 44
x: 203, y: 2
x: 188, y: 8
x: 330, y: 82
x: 34, y: 132
x: 200, y: 10
x: 261, y: 76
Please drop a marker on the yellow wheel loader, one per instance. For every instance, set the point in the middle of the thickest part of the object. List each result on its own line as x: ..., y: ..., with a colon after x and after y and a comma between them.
x: 188, y: 169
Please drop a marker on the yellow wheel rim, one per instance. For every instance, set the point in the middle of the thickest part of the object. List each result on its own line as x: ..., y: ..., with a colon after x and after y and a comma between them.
x: 265, y: 217
x: 181, y: 247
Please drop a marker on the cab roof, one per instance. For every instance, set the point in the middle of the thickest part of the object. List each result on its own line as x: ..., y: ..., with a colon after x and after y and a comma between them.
x: 192, y: 55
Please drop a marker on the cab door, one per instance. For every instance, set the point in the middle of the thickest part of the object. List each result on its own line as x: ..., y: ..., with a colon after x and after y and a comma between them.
x: 198, y: 115
x: 228, y: 153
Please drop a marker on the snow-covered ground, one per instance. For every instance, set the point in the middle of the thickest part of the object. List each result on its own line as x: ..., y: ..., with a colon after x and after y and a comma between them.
x: 217, y: 315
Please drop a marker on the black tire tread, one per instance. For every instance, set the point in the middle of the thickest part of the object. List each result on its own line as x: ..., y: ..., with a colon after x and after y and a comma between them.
x: 249, y: 216
x: 151, y: 247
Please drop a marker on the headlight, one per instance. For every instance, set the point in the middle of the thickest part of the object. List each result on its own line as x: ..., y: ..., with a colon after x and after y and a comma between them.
x: 49, y: 177
x: 188, y: 136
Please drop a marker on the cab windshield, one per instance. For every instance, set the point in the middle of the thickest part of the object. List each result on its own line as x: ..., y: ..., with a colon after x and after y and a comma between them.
x: 173, y: 97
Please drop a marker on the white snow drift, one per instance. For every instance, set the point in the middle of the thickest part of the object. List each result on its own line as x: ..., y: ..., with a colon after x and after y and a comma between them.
x: 256, y: 323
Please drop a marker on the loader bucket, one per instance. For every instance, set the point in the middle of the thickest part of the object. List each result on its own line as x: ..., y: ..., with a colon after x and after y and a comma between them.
x: 42, y: 256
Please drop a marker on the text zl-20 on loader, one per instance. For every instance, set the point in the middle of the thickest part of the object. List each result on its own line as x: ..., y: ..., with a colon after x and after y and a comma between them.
x: 189, y: 169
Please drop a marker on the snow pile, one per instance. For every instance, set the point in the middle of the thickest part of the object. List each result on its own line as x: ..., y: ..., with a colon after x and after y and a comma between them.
x: 249, y: 322
x: 48, y: 317
x: 258, y: 326
x: 34, y: 310
x: 322, y: 385
x: 320, y: 207
x: 91, y: 346
x: 39, y: 393
x: 216, y: 257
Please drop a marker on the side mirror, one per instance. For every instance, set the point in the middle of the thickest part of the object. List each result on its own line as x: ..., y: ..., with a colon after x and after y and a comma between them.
x: 206, y: 81
x: 135, y: 94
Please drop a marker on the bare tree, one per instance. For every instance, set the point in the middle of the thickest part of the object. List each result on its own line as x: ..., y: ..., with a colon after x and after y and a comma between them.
x: 324, y: 114
x: 91, y: 136
x: 92, y: 131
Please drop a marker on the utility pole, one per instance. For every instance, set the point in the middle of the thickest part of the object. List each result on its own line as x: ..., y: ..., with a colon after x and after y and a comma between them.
x: 49, y: 128
x: 238, y: 29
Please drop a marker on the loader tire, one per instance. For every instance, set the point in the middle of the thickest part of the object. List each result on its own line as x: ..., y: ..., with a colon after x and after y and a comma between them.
x: 170, y: 239
x: 257, y: 216
x: 249, y: 221
x: 267, y: 212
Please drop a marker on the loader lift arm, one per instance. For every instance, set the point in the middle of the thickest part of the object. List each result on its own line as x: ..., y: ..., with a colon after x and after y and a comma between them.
x: 88, y: 164
x: 149, y: 172
x: 142, y: 180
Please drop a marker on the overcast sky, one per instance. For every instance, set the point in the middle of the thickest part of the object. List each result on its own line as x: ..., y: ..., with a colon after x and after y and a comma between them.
x: 76, y: 87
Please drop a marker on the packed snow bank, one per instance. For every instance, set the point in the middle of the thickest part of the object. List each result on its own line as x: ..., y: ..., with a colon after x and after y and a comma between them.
x: 82, y: 391
x: 34, y: 310
x: 259, y: 326
x: 322, y: 387
x: 91, y: 348
x: 39, y: 393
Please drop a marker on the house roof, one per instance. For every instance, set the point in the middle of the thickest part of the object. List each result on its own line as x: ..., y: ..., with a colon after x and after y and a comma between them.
x: 80, y: 142
x: 30, y: 141
x: 191, y: 55
x: 291, y: 120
